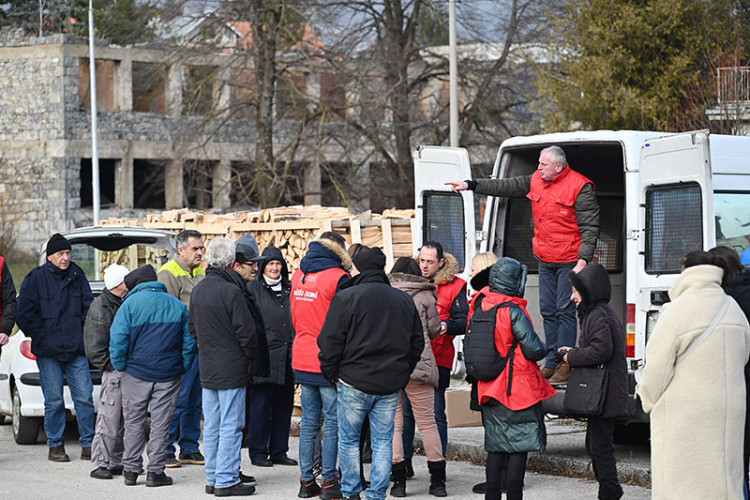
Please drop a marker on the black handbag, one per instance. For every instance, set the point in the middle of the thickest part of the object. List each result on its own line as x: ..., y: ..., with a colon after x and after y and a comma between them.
x: 585, y: 394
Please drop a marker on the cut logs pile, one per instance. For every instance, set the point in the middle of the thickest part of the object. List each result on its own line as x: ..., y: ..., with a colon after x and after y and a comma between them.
x: 291, y: 229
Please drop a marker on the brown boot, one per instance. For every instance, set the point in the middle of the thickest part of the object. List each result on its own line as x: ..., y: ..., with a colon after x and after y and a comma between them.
x: 548, y: 372
x: 562, y: 373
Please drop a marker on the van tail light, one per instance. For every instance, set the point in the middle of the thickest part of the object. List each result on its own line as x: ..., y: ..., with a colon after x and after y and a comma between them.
x: 630, y: 331
x: 26, y: 350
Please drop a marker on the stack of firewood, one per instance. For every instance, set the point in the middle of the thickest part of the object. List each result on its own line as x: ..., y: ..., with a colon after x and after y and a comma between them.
x: 291, y: 229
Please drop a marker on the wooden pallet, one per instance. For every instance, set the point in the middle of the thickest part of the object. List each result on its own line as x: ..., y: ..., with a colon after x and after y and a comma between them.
x: 291, y: 229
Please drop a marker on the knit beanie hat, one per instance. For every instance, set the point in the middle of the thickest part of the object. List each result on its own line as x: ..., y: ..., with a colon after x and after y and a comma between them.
x: 140, y: 275
x: 57, y: 243
x: 372, y: 259
x: 114, y: 275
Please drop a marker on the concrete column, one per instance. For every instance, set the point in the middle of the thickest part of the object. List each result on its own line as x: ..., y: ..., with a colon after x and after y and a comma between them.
x: 174, y: 189
x: 174, y: 89
x: 125, y: 87
x: 124, y: 194
x: 313, y: 191
x: 222, y: 184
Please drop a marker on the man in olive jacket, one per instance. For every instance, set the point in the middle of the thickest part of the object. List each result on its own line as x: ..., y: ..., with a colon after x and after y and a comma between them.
x: 369, y: 345
x: 220, y: 320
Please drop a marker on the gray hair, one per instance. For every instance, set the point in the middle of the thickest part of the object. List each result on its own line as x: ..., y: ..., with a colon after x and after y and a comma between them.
x: 220, y: 253
x: 182, y: 239
x: 557, y: 154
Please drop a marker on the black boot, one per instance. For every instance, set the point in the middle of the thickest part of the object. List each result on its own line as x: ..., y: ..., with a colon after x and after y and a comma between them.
x: 409, y: 468
x: 437, y: 478
x: 398, y: 471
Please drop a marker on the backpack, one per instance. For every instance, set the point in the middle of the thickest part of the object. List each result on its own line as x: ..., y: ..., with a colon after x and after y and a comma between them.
x: 483, y: 362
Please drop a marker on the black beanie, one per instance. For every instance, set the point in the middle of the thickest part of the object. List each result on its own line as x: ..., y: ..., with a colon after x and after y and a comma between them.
x: 369, y: 260
x: 140, y: 275
x: 56, y: 243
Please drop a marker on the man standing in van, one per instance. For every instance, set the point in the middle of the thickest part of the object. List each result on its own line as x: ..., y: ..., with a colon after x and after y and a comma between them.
x: 566, y: 227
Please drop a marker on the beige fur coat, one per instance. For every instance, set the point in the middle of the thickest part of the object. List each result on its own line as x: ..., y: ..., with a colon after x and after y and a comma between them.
x: 697, y: 406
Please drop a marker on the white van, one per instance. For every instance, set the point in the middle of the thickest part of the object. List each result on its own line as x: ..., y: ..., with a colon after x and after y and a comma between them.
x: 661, y: 195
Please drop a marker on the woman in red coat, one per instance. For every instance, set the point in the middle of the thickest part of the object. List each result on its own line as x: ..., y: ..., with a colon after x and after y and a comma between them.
x: 511, y: 407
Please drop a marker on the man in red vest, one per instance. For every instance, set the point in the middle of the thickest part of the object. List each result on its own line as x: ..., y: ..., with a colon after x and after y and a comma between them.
x: 7, y: 302
x: 566, y: 227
x: 322, y: 272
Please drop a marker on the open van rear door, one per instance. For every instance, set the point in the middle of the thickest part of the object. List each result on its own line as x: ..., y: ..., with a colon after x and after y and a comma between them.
x: 441, y: 214
x: 676, y: 216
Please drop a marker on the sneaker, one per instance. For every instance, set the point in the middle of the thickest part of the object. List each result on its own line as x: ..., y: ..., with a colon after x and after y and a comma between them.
x: 57, y: 454
x: 154, y: 479
x: 172, y: 462
x: 308, y: 489
x: 86, y: 453
x: 129, y: 478
x: 330, y: 489
x: 116, y: 470
x: 101, y: 473
x: 353, y: 497
x: 237, y: 490
x: 194, y: 458
x: 247, y: 479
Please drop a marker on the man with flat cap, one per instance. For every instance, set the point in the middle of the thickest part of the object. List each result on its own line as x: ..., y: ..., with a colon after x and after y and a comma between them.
x: 369, y: 345
x: 150, y: 343
x: 52, y: 306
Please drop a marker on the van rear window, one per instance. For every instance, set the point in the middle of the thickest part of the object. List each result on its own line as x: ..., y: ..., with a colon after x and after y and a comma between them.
x: 732, y: 220
x: 674, y: 226
x: 444, y: 222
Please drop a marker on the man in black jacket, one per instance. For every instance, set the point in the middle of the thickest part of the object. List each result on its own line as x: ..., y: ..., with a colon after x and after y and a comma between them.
x: 107, y: 447
x: 7, y: 302
x: 369, y: 345
x: 220, y: 320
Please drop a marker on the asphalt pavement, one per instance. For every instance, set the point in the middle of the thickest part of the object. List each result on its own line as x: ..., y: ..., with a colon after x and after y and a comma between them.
x: 25, y: 472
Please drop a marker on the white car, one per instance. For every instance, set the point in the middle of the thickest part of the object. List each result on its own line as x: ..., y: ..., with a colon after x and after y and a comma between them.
x: 93, y: 249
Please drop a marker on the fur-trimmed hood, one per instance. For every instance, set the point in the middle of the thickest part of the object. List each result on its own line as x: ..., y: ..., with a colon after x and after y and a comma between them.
x: 412, y: 284
x: 448, y: 271
x: 324, y: 254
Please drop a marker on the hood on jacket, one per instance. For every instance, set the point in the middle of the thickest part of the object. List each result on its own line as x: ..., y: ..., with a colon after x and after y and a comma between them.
x: 324, y: 254
x: 481, y: 279
x: 448, y: 271
x: 411, y: 284
x: 148, y: 285
x: 592, y: 282
x: 369, y: 276
x: 272, y: 253
x: 508, y: 276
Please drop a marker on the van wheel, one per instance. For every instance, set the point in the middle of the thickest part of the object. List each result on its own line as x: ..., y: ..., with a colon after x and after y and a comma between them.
x: 632, y: 433
x: 25, y: 429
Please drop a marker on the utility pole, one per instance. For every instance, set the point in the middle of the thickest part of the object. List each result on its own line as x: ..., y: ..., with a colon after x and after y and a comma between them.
x: 94, y: 128
x: 453, y: 68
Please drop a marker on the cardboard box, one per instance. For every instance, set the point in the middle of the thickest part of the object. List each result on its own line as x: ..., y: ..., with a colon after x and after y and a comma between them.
x: 457, y: 409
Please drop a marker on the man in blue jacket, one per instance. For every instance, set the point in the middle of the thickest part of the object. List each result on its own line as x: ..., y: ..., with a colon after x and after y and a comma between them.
x: 150, y: 343
x: 52, y: 306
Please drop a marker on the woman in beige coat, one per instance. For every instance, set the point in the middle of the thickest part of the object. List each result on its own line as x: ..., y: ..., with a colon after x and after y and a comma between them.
x: 406, y: 276
x: 696, y: 394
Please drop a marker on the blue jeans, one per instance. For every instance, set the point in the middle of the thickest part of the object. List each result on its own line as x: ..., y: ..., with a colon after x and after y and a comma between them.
x: 558, y: 311
x: 77, y: 373
x: 315, y: 399
x: 186, y: 422
x: 440, y: 418
x: 222, y: 435
x: 354, y: 406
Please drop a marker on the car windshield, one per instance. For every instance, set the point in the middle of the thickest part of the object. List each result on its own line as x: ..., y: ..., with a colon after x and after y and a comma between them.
x: 94, y: 262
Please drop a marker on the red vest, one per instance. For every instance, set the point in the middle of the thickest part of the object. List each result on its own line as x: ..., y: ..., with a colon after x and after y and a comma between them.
x: 557, y: 237
x: 2, y: 264
x: 310, y: 301
x: 529, y: 385
x: 442, y: 347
